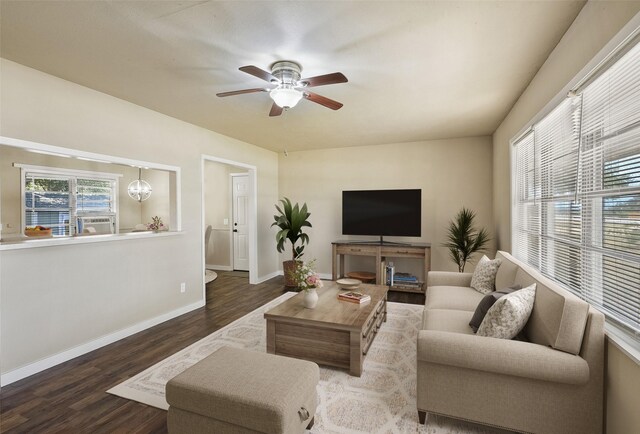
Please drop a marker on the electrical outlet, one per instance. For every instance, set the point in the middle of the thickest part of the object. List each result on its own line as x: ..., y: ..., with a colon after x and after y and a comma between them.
x: 183, y: 287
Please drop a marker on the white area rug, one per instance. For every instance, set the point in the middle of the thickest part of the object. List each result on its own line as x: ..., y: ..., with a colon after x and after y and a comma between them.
x: 382, y: 401
x: 210, y: 276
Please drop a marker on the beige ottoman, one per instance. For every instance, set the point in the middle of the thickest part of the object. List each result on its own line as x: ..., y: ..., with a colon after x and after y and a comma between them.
x: 241, y: 391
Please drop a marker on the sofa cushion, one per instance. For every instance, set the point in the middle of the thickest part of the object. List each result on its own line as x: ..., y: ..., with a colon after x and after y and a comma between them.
x: 452, y: 297
x: 508, y: 316
x: 484, y: 276
x: 456, y: 321
x: 558, y: 318
x: 506, y: 272
x: 486, y: 303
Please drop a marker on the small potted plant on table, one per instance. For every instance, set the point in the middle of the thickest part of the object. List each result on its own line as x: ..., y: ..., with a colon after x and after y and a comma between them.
x: 307, y: 280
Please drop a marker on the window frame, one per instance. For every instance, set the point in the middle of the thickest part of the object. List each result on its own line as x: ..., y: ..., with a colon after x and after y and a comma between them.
x: 626, y: 340
x: 72, y: 175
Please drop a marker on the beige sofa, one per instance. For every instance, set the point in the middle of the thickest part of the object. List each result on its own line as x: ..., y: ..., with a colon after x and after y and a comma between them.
x: 551, y: 384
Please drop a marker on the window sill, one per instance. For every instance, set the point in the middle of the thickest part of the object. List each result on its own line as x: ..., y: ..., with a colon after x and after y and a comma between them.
x: 65, y: 241
x: 623, y: 342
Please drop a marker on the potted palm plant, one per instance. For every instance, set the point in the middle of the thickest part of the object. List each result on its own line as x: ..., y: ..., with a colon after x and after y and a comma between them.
x: 291, y: 220
x: 464, y: 239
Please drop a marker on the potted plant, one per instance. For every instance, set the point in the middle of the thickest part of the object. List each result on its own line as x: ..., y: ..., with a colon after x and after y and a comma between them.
x: 464, y: 239
x: 291, y: 220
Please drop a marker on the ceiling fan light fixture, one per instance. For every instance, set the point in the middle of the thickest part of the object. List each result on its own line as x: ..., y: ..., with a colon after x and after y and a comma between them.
x: 285, y: 96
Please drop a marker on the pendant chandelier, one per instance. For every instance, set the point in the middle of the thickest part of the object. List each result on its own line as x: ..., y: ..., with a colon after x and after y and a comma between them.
x: 139, y: 189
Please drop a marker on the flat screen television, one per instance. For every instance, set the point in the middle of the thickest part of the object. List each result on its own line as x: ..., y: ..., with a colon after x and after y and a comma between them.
x: 382, y: 213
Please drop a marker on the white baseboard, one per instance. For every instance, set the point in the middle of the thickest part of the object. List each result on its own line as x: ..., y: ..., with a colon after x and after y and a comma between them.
x: 220, y: 267
x: 269, y: 276
x: 56, y: 359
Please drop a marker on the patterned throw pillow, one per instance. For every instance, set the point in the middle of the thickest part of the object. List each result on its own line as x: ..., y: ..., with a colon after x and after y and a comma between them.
x: 508, y: 316
x: 484, y: 276
x: 486, y: 303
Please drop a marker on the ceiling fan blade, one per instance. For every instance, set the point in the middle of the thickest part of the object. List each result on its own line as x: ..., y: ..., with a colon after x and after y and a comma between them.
x: 240, y: 92
x: 276, y: 110
x: 321, y: 80
x: 322, y: 100
x: 260, y: 73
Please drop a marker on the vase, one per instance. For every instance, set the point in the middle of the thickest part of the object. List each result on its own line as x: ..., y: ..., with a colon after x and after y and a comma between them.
x: 310, y: 298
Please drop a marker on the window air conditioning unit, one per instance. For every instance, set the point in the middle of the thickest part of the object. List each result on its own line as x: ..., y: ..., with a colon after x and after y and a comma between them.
x: 96, y: 225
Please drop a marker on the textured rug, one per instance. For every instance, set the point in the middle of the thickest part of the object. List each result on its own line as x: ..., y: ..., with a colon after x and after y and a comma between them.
x: 381, y: 401
x: 210, y: 276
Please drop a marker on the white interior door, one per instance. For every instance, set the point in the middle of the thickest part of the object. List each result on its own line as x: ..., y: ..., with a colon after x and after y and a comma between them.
x: 240, y: 210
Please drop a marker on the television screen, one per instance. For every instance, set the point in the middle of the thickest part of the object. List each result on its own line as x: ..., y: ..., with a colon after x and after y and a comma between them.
x: 382, y: 212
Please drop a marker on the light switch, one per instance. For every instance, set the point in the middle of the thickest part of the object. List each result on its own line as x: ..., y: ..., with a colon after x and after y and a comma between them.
x: 226, y: 222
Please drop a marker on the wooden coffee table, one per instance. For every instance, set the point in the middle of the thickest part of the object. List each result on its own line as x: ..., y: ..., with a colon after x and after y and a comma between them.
x: 335, y: 333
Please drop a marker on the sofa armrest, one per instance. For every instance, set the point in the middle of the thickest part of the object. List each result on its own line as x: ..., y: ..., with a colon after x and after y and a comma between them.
x: 448, y: 278
x: 501, y: 356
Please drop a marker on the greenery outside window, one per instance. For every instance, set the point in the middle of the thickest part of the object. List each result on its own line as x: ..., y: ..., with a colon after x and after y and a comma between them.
x: 69, y: 201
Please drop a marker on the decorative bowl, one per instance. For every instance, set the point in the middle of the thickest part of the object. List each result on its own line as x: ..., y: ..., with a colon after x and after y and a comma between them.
x: 32, y: 232
x: 348, y: 283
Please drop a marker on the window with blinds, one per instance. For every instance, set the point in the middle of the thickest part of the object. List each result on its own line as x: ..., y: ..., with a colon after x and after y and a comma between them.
x: 48, y: 202
x: 95, y: 195
x: 57, y: 200
x: 576, y: 199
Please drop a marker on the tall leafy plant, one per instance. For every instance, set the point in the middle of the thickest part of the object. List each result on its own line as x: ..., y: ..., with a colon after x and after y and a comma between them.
x: 291, y: 220
x: 463, y: 239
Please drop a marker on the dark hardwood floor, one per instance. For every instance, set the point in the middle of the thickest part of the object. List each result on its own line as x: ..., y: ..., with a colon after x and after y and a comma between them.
x: 71, y: 397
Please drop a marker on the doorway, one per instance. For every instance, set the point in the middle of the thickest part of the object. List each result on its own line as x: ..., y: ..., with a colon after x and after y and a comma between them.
x: 229, y: 206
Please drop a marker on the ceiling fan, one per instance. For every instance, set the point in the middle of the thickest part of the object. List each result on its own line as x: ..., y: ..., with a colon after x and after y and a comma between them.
x: 290, y: 88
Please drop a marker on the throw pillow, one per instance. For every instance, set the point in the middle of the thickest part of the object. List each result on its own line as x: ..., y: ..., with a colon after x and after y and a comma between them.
x: 508, y: 316
x: 484, y: 276
x: 486, y: 303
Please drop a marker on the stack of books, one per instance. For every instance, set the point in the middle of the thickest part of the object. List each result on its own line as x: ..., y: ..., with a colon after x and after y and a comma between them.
x: 404, y: 277
x: 354, y: 297
x: 406, y: 281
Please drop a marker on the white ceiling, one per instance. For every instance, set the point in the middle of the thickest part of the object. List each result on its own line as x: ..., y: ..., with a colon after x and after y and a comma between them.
x: 417, y: 70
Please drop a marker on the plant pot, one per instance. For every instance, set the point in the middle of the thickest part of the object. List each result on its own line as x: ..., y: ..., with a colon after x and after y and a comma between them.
x: 310, y: 298
x: 289, y: 267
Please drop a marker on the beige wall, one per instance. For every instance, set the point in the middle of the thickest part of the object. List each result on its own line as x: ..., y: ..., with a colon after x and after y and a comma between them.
x: 217, y: 191
x: 451, y: 173
x: 595, y: 26
x: 623, y: 392
x: 88, y: 291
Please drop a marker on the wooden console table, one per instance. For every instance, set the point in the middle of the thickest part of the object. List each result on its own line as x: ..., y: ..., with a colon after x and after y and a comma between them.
x: 380, y: 252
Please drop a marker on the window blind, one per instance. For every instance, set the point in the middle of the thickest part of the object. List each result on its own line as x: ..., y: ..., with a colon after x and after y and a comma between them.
x: 48, y: 202
x: 95, y: 195
x: 526, y: 221
x: 610, y: 191
x: 557, y: 140
x: 576, y: 207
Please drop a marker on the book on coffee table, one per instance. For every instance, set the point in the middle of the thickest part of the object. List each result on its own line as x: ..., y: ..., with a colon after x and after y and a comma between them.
x: 354, y: 297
